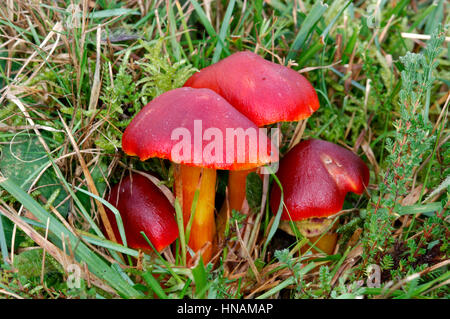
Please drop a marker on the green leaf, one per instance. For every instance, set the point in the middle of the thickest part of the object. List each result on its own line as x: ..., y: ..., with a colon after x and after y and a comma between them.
x: 154, y: 285
x: 180, y: 224
x: 3, y: 242
x: 203, y: 19
x: 113, y: 209
x: 277, y: 219
x: 97, y: 173
x: 176, y: 48
x: 105, y: 243
x: 427, y: 209
x: 223, y: 31
x: 113, y: 13
x: 23, y: 160
x: 308, y: 24
x: 287, y: 282
x: 253, y: 190
x: 8, y: 227
x: 200, y: 279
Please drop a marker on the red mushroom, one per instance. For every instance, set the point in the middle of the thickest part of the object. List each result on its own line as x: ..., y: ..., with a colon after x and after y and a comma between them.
x: 316, y: 175
x: 263, y: 91
x: 199, y: 114
x: 142, y: 207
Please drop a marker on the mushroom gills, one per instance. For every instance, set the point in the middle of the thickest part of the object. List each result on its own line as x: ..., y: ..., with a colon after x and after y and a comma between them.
x: 314, y: 229
x: 309, y: 227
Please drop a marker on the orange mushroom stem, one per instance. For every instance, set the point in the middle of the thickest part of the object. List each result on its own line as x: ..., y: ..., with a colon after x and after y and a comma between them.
x: 203, y: 228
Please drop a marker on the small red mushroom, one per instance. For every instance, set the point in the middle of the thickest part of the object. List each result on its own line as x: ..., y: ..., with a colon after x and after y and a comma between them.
x: 191, y: 113
x: 263, y: 91
x: 316, y: 175
x: 142, y: 207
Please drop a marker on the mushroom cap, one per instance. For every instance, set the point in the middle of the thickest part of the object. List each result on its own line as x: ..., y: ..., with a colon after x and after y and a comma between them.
x: 263, y: 91
x: 315, y: 176
x: 205, y: 120
x: 142, y: 207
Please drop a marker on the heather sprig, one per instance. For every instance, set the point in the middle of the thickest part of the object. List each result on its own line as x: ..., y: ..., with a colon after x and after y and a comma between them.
x: 411, y: 141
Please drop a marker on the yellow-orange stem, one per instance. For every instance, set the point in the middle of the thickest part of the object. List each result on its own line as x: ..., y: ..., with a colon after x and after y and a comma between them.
x: 236, y: 196
x: 203, y: 226
x: 326, y: 244
x: 236, y: 188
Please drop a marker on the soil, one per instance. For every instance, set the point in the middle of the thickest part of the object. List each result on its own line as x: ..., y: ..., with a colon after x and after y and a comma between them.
x: 431, y: 257
x: 280, y: 240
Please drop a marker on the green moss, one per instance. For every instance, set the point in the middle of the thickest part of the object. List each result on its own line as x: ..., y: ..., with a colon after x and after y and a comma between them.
x: 29, y: 264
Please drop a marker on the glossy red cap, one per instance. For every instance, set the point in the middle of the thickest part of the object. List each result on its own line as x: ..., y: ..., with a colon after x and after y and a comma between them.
x: 198, y: 116
x: 316, y: 175
x: 263, y: 91
x: 142, y: 207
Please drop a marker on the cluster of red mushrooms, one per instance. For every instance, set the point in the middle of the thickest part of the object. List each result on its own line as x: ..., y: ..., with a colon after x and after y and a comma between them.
x: 241, y: 91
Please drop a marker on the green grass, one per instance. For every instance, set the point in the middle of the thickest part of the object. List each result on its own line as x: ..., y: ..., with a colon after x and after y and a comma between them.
x: 370, y: 80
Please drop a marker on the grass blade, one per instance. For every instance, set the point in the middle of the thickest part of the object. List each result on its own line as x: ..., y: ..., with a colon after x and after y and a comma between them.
x: 113, y: 13
x: 169, y: 269
x: 113, y: 209
x: 91, y: 239
x: 173, y: 29
x: 425, y: 209
x: 287, y: 282
x: 200, y: 279
x: 154, y: 285
x: 191, y: 218
x: 180, y: 224
x: 313, y: 17
x: 203, y: 19
x: 276, y: 222
x: 3, y: 247
x: 223, y: 31
x: 95, y: 264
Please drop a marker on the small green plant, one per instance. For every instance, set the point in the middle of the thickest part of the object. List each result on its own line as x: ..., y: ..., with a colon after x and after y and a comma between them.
x: 412, y: 140
x: 119, y: 96
x: 159, y: 73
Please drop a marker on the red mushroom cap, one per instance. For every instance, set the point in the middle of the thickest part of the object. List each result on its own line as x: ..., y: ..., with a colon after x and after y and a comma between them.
x: 316, y: 175
x: 263, y: 91
x: 150, y: 133
x: 142, y: 207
